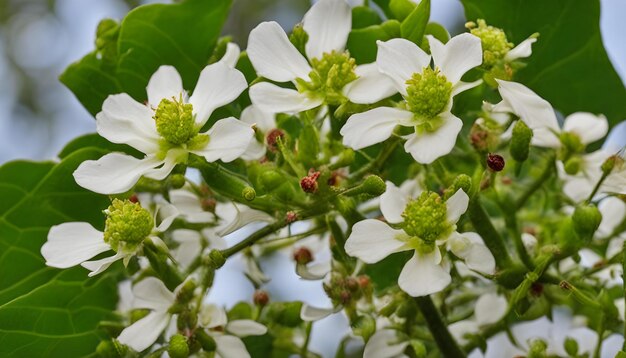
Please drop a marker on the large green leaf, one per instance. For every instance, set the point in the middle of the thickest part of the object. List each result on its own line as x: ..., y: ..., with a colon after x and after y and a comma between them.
x: 182, y: 35
x: 46, y: 312
x: 569, y: 66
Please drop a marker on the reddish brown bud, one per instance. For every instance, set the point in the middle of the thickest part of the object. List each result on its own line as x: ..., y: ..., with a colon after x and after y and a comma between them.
x: 291, y: 216
x: 272, y: 138
x: 352, y: 284
x: 260, y: 298
x: 133, y: 198
x: 208, y: 204
x: 495, y: 162
x: 345, y: 297
x: 309, y: 182
x: 303, y: 256
x: 364, y: 281
x: 536, y: 289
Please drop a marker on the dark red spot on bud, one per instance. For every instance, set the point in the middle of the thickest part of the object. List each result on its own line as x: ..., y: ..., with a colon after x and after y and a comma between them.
x: 495, y: 162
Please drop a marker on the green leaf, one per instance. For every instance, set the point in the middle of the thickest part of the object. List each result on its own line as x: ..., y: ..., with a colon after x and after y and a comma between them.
x: 363, y: 16
x: 47, y: 312
x: 438, y: 31
x: 362, y: 42
x: 569, y: 66
x: 401, y: 8
x: 414, y: 26
x: 182, y: 35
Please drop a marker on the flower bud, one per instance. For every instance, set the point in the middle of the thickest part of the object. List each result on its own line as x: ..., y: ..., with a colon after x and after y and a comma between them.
x: 586, y: 220
x: 609, y: 164
x: 272, y: 138
x: 303, y: 256
x: 208, y: 204
x: 108, y: 349
x: 207, y: 342
x: 178, y: 347
x: 309, y: 182
x: 291, y: 216
x: 248, y: 193
x: 364, y: 326
x: 371, y: 185
x: 216, y: 259
x: 177, y: 181
x: 537, y: 349
x: 260, y: 298
x: 495, y: 162
x: 571, y: 346
x: 299, y: 38
x: 520, y: 141
x: 106, y: 40
x: 572, y: 165
x: 186, y: 292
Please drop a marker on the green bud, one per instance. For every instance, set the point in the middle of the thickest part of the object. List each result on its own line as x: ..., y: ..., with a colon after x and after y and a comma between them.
x: 127, y: 225
x: 177, y: 181
x: 186, y: 293
x: 207, y: 342
x: 242, y: 310
x: 106, y: 40
x: 586, y: 220
x: 573, y: 165
x: 248, y: 193
x: 609, y: 164
x: 178, y: 347
x: 520, y: 141
x: 299, y: 38
x: 537, y: 349
x: 372, y: 185
x: 463, y: 182
x: 418, y: 348
x: 107, y: 349
x: 571, y: 346
x: 364, y: 326
x: 271, y: 179
x: 216, y: 259
x: 493, y: 40
x: 428, y: 94
x: 285, y: 313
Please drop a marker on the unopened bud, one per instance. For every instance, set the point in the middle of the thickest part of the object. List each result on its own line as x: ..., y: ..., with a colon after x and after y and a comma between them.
x: 260, y: 298
x: 186, y: 292
x: 309, y: 182
x: 495, y: 162
x: 586, y: 220
x: 520, y: 141
x: 303, y: 256
x: 609, y: 164
x: 177, y: 181
x: 207, y: 342
x: 208, y: 204
x: 371, y: 185
x: 299, y: 38
x: 248, y: 193
x: 364, y: 281
x: 178, y: 347
x: 216, y: 259
x: 571, y: 346
x: 272, y: 138
x: 291, y: 216
x: 537, y: 349
x: 352, y: 284
x: 572, y: 165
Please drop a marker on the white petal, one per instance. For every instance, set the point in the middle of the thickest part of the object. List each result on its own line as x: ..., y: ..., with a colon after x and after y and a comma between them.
x: 274, y: 56
x: 165, y: 83
x: 263, y: 120
x: 230, y: 347
x: 464, y: 86
x: 392, y: 203
x: 374, y: 126
x: 212, y: 316
x: 479, y: 258
x: 189, y: 246
x: 69, y: 244
x: 313, y: 272
x: 535, y: 111
x: 143, y: 333
x: 530, y: 242
x: 400, y: 59
x: 371, y: 86
x: 328, y: 24
x: 459, y: 55
x: 167, y: 213
x: 246, y: 327
x: 373, y: 240
x: 231, y: 56
x: 461, y: 328
x: 189, y: 206
x: 310, y: 313
x: 456, y: 206
x: 255, y: 151
x: 228, y: 140
x: 151, y: 293
x: 243, y: 216
x: 271, y: 98
x: 126, y: 121
x: 429, y: 146
x: 217, y: 85
x: 522, y: 50
x: 384, y: 344
x: 98, y: 266
x: 613, y: 211
x: 545, y: 137
x: 615, y: 246
x: 587, y: 126
x: 490, y: 308
x: 113, y: 173
x: 422, y: 276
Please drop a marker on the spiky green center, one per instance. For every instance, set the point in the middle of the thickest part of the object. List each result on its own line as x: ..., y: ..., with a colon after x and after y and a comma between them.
x: 494, y: 42
x: 127, y: 225
x: 329, y: 75
x: 428, y: 94
x: 175, y: 121
x: 425, y: 219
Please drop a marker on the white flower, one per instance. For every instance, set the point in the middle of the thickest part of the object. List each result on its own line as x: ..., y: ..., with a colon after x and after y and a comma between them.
x: 427, y: 96
x: 127, y: 226
x: 274, y: 57
x: 152, y: 294
x: 264, y: 122
x: 189, y: 206
x: 489, y: 309
x: 167, y: 129
x: 385, y: 343
x: 426, y: 224
x: 226, y: 334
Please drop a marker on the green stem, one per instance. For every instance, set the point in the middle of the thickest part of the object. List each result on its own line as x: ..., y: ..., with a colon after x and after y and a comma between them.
x: 545, y: 175
x: 376, y: 164
x: 597, y: 187
x: 256, y: 236
x: 446, y: 343
x: 510, y: 220
x: 484, y: 228
x: 598, y: 350
x: 307, y: 339
x: 522, y: 290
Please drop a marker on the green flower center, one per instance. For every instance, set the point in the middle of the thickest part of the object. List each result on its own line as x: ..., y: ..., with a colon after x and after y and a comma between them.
x: 127, y: 225
x: 428, y: 94
x: 494, y: 42
x: 175, y: 121
x: 425, y: 219
x: 329, y: 75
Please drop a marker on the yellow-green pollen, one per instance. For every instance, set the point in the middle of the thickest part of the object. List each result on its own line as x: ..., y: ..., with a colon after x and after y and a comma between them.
x: 127, y: 225
x: 329, y: 75
x: 425, y: 221
x: 428, y: 94
x: 175, y: 121
x: 493, y: 40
